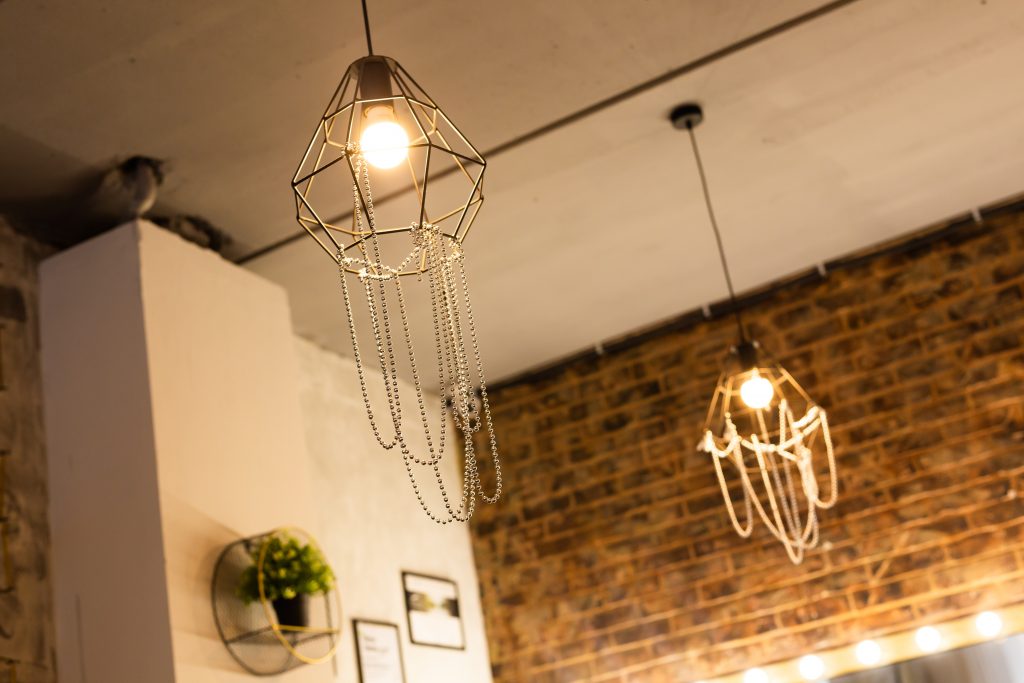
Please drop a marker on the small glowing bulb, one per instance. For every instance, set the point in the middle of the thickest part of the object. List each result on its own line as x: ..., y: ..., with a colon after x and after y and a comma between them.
x: 928, y: 639
x: 757, y: 392
x: 868, y: 652
x: 989, y: 624
x: 755, y: 676
x: 384, y: 143
x: 812, y: 668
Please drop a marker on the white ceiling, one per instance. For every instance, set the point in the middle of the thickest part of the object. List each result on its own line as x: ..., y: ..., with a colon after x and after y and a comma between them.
x: 866, y: 122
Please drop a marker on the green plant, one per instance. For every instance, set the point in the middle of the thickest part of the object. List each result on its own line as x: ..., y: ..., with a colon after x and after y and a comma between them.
x: 290, y: 569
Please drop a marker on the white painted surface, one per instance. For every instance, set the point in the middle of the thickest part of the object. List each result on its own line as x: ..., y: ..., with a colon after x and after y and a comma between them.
x: 174, y: 424
x: 112, y: 611
x: 231, y: 452
x: 372, y: 527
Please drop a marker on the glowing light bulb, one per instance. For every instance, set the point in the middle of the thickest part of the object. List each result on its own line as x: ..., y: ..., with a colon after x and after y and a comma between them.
x: 755, y: 676
x: 812, y: 668
x: 989, y: 624
x: 757, y: 392
x: 384, y: 143
x: 928, y: 639
x: 868, y: 652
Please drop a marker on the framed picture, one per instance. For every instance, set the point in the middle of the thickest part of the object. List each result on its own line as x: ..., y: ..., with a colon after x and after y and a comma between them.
x: 432, y: 606
x: 378, y: 652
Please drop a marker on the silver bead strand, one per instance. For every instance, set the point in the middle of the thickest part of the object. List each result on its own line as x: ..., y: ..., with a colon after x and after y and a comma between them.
x: 452, y: 324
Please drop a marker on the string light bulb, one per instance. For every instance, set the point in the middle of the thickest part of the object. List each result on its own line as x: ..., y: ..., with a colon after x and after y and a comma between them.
x: 756, y: 391
x: 755, y: 676
x: 812, y: 668
x: 868, y: 652
x: 988, y: 624
x: 896, y: 647
x: 384, y: 143
x: 928, y: 639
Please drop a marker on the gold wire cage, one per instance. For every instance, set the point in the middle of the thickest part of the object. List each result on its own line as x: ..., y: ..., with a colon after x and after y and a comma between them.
x: 407, y: 214
x: 775, y: 451
x: 441, y: 188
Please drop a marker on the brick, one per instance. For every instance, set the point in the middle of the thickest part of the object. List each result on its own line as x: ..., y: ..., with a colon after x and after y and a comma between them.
x: 612, y: 617
x: 26, y: 612
x: 565, y: 674
x: 816, y: 610
x: 975, y: 569
x: 12, y: 304
x: 891, y: 591
x: 621, y: 659
x: 641, y: 632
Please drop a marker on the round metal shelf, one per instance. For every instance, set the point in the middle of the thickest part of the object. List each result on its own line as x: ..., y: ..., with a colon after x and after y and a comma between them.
x: 252, y: 633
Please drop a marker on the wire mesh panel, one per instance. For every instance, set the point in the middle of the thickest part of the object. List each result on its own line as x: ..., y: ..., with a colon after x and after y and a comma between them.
x: 425, y: 177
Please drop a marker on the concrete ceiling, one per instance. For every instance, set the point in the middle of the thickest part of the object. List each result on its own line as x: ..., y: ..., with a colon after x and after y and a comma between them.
x: 866, y: 121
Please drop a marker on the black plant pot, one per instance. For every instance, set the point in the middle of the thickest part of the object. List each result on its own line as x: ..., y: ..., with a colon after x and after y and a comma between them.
x: 292, y: 611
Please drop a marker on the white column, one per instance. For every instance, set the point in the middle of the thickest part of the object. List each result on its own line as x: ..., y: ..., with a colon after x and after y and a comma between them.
x: 173, y: 425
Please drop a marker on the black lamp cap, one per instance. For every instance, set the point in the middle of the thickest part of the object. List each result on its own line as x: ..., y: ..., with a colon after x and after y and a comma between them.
x: 747, y: 353
x: 688, y: 115
x: 374, y: 78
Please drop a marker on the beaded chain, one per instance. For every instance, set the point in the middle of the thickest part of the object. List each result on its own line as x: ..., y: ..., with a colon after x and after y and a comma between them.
x: 775, y: 462
x: 452, y: 314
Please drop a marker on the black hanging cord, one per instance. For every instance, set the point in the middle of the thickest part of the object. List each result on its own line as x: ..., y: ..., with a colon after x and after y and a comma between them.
x: 718, y: 235
x: 366, y: 25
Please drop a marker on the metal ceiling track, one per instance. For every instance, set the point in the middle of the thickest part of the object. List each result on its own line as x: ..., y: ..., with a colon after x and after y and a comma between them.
x: 629, y: 93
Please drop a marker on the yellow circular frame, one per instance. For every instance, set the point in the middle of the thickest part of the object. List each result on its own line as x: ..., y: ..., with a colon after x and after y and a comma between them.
x: 268, y: 609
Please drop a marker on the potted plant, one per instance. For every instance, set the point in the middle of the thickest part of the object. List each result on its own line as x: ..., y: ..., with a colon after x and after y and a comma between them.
x: 292, y: 571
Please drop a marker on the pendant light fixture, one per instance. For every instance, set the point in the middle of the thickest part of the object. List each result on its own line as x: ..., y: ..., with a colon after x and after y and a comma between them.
x: 404, y: 185
x: 762, y: 428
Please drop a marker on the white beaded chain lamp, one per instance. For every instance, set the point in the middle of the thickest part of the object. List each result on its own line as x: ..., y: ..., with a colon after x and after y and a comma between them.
x: 414, y: 184
x: 762, y: 429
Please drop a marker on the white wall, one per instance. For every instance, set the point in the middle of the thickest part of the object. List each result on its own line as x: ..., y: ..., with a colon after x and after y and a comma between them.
x: 175, y: 426
x: 231, y: 453
x: 372, y: 525
x: 173, y: 420
x: 111, y: 606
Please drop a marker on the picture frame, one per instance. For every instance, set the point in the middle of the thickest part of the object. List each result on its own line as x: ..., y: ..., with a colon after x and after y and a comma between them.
x: 378, y: 651
x: 433, y: 611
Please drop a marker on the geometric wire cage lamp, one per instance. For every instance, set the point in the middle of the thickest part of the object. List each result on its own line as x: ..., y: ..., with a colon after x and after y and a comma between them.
x: 762, y: 428
x: 411, y: 185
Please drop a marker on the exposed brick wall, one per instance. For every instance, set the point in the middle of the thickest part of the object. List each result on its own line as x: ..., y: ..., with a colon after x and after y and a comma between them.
x: 612, y: 558
x: 26, y: 612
